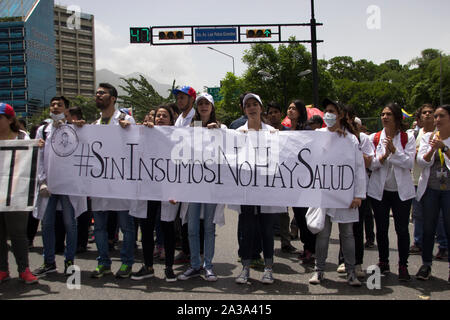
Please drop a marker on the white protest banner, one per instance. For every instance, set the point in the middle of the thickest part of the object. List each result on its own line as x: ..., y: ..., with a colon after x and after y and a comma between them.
x: 18, y: 167
x: 301, y: 168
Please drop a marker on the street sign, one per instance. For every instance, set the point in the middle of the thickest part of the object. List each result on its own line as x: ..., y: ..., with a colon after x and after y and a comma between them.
x: 215, y: 92
x: 215, y: 34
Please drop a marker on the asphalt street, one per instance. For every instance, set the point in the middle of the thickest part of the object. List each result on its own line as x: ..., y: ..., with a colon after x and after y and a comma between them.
x: 291, y: 278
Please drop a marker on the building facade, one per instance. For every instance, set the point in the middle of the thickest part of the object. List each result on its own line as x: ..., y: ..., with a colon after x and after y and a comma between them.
x: 27, y: 60
x: 75, y: 52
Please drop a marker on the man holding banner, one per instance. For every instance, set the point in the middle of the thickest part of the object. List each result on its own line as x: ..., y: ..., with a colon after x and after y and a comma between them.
x: 105, y: 98
x: 50, y: 200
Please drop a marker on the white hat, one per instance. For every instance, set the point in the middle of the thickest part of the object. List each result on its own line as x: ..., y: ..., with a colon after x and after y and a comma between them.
x: 206, y: 96
x: 254, y: 96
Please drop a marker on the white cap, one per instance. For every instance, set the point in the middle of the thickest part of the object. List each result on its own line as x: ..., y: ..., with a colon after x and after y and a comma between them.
x: 358, y: 121
x: 206, y: 96
x: 254, y: 96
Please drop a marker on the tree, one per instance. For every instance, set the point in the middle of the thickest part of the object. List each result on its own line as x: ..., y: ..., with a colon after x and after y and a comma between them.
x: 227, y: 109
x: 90, y: 111
x: 141, y: 97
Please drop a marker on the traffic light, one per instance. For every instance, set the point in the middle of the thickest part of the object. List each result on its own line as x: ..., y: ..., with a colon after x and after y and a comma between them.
x: 259, y: 33
x: 171, y: 35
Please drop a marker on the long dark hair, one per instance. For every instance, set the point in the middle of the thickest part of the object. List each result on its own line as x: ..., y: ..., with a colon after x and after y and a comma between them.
x: 446, y: 107
x: 398, y: 116
x: 349, y: 113
x: 212, y: 117
x: 303, y: 114
x: 169, y: 110
x: 15, y: 125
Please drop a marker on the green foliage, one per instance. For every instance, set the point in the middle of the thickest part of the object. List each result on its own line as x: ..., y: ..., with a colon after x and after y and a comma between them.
x: 228, y: 109
x: 141, y: 96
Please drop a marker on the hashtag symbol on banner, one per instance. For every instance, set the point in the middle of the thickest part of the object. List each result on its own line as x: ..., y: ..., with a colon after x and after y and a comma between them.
x: 84, y: 160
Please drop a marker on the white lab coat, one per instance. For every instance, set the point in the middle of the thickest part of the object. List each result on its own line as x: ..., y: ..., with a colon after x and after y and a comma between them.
x: 347, y: 215
x: 425, y: 175
x: 79, y: 203
x: 110, y: 204
x: 403, y: 161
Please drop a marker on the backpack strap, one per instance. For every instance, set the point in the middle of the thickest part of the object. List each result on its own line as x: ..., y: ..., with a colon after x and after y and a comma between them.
x: 404, y: 139
x: 44, y: 133
x: 376, y: 139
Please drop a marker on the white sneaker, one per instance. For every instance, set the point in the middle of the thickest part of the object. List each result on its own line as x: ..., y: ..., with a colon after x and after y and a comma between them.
x: 243, y: 277
x: 360, y: 274
x: 317, y: 277
x: 267, y: 276
x: 341, y: 268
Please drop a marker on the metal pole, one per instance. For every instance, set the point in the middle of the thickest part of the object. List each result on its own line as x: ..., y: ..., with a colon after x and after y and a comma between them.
x: 224, y: 54
x: 440, y: 85
x: 314, y: 57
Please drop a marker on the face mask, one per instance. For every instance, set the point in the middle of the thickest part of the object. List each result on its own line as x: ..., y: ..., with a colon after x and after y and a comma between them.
x: 329, y: 119
x: 57, y: 117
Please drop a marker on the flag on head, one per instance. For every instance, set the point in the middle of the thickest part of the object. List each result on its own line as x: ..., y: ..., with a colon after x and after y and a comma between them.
x: 406, y: 114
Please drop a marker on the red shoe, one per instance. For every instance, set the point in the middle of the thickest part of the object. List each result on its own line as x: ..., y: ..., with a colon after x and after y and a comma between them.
x: 28, y: 277
x: 4, y: 276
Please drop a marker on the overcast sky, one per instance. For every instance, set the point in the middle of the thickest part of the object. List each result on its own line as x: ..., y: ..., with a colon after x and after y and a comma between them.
x: 403, y: 30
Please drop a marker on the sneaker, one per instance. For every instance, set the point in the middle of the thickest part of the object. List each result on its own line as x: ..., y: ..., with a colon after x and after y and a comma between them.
x: 67, y: 265
x: 341, y: 268
x: 210, y: 275
x: 243, y: 277
x: 308, y: 258
x: 267, y: 276
x: 45, y: 269
x: 424, y: 273
x: 170, y: 276
x: 124, y: 271
x: 369, y: 244
x: 384, y: 268
x: 101, y: 271
x: 317, y: 277
x: 144, y: 273
x: 441, y: 254
x: 182, y: 258
x: 360, y: 274
x: 352, y: 280
x: 415, y: 250
x: 189, y: 273
x: 257, y: 263
x: 4, y: 276
x: 288, y: 249
x: 403, y: 274
x: 28, y: 277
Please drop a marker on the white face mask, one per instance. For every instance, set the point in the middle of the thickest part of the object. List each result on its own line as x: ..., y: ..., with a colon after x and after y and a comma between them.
x: 57, y: 117
x: 329, y: 119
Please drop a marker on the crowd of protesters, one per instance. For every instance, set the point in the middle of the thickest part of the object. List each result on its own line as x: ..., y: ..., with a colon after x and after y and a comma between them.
x: 398, y: 171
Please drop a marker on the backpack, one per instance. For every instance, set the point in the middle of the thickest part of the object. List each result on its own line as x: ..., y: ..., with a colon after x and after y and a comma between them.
x: 403, y: 139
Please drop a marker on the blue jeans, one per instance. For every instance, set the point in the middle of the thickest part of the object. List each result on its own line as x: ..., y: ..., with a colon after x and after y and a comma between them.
x: 441, y: 237
x: 48, y: 228
x: 434, y: 201
x: 126, y: 224
x: 194, y: 211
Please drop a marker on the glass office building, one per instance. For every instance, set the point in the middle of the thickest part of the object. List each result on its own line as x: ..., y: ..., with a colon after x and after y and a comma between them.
x: 27, y: 54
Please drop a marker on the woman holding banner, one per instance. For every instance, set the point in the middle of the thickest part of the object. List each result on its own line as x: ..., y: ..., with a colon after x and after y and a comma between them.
x: 391, y: 186
x: 434, y: 185
x: 337, y: 124
x: 163, y: 117
x: 211, y: 213
x: 298, y: 115
x: 13, y: 224
x: 251, y: 216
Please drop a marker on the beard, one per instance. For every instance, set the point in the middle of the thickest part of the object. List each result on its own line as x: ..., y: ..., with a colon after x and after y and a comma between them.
x: 102, y: 104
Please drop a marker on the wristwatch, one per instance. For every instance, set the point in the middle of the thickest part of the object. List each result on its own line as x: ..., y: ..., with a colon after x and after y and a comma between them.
x: 445, y: 149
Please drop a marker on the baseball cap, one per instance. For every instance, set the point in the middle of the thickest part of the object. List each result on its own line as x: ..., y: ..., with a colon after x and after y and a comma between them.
x: 206, y: 96
x: 7, y: 109
x: 186, y: 90
x: 254, y: 96
x: 327, y: 101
